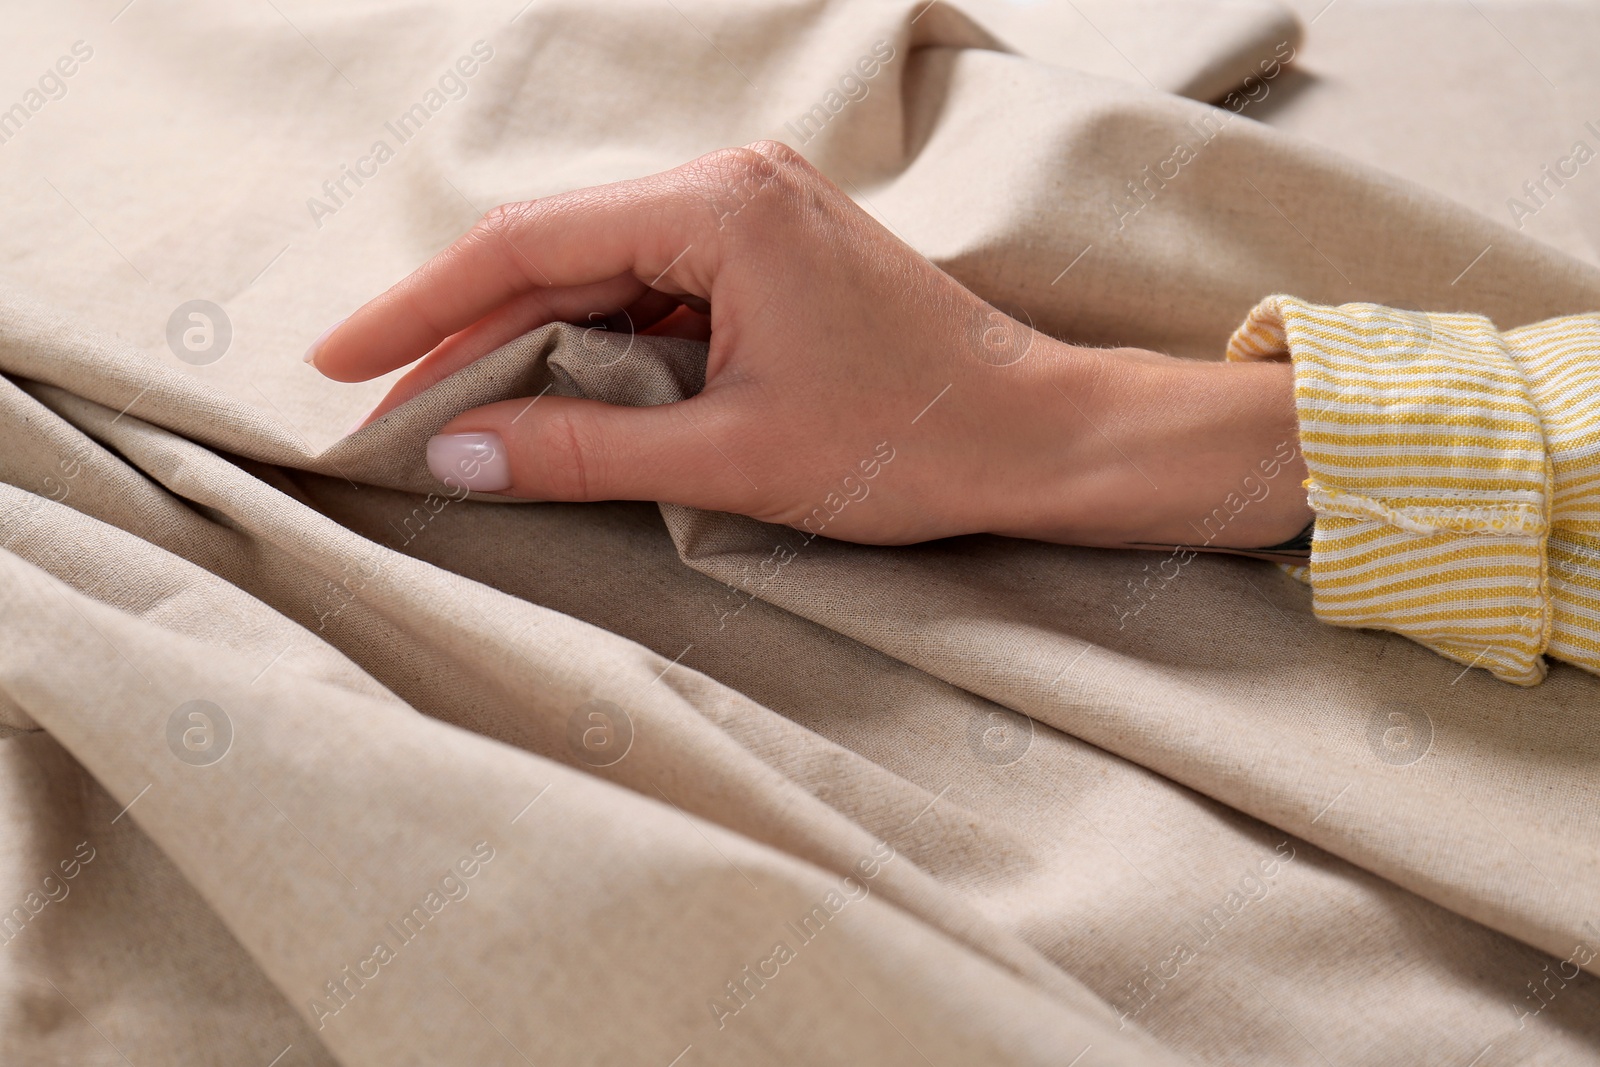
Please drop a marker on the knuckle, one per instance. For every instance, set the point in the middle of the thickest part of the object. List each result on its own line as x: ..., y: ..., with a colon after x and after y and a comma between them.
x: 777, y: 152
x: 501, y: 223
x: 500, y: 231
x: 745, y: 183
x: 734, y: 164
x: 565, y: 456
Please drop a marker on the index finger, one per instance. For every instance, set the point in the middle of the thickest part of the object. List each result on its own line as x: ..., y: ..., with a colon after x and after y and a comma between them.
x: 647, y: 228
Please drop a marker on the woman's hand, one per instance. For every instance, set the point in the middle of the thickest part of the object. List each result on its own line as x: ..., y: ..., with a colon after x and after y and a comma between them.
x: 852, y: 387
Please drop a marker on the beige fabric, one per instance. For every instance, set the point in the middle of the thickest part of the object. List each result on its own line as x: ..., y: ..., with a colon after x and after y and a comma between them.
x: 1495, y: 91
x: 1132, y: 818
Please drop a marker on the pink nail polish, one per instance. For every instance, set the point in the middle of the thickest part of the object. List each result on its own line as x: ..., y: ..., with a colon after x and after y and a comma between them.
x: 311, y: 353
x: 477, y: 461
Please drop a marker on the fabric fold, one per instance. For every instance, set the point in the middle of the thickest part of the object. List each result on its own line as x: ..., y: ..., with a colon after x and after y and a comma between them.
x: 1197, y: 827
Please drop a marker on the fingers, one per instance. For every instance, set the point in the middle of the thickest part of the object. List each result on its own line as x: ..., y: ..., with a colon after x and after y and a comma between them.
x: 505, y: 324
x: 658, y: 230
x: 562, y: 448
x: 684, y: 323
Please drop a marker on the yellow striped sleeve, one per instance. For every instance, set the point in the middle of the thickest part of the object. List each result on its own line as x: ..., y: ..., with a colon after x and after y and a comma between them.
x: 1455, y: 475
x: 1561, y: 358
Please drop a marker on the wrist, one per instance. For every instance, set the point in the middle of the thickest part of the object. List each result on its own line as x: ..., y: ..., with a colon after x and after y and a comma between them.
x: 1156, y: 451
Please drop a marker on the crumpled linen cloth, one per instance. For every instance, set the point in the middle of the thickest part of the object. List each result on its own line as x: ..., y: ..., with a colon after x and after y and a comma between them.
x: 311, y: 762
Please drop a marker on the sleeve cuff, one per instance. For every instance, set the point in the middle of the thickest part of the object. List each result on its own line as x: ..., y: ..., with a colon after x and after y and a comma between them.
x: 1429, y: 476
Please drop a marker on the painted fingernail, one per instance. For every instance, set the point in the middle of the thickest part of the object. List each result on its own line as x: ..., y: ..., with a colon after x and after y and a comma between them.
x: 475, y: 460
x: 316, y: 346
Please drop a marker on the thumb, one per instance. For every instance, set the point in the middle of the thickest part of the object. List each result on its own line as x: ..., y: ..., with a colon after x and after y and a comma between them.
x: 565, y: 448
